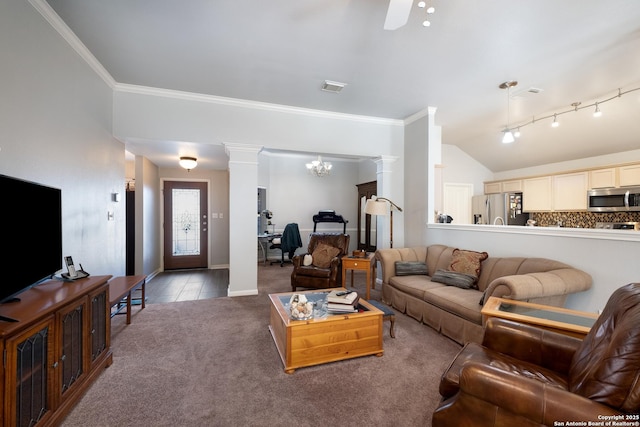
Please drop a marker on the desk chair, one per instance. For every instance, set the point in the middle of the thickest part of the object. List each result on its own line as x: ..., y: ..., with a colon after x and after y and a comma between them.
x: 288, y: 242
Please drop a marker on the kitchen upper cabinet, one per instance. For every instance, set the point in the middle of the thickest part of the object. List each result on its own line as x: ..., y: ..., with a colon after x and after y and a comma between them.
x: 536, y: 194
x: 602, y: 178
x: 570, y: 191
x: 513, y: 186
x: 492, y: 187
x: 510, y: 186
x: 629, y: 175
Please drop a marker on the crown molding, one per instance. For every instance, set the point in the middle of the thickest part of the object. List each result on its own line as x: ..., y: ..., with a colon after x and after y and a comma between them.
x: 256, y: 105
x: 69, y: 36
x: 429, y: 111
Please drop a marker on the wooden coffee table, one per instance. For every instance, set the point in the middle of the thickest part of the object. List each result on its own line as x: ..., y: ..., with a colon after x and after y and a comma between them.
x: 326, y: 339
x: 558, y: 319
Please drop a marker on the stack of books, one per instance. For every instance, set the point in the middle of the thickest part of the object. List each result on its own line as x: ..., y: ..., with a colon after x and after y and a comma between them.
x: 342, y: 302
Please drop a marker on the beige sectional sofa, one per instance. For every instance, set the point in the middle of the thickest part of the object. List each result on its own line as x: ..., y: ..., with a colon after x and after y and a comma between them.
x: 454, y: 311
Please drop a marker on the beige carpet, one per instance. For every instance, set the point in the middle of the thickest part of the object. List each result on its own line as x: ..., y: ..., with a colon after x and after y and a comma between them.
x: 213, y: 363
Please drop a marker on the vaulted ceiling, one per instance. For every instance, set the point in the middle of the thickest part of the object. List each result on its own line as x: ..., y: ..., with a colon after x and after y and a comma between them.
x: 281, y: 51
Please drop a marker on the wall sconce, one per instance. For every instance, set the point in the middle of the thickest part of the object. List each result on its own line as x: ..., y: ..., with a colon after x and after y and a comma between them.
x: 115, y: 197
x: 188, y: 162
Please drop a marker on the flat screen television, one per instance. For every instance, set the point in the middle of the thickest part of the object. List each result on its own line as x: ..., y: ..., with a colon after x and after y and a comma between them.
x: 31, y: 215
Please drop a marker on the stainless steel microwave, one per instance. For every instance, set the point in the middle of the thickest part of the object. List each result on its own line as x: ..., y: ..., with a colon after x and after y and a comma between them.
x: 614, y: 199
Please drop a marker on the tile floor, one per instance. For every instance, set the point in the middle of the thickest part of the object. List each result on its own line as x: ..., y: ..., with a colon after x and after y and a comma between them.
x: 186, y: 285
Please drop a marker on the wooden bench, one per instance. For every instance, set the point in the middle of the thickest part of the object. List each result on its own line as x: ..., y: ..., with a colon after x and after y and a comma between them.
x: 120, y: 289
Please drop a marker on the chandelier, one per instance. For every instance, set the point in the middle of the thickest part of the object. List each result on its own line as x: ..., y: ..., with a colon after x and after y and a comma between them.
x: 319, y: 168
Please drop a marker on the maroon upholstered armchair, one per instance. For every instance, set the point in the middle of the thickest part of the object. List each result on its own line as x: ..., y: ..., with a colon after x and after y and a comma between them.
x: 526, y: 376
x: 324, y: 262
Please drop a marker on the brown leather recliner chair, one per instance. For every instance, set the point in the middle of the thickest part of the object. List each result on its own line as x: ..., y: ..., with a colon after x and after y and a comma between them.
x: 326, y: 269
x: 526, y: 376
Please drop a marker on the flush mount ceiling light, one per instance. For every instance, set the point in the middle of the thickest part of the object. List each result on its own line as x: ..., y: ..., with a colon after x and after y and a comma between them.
x: 507, y: 136
x: 333, y: 87
x: 188, y: 162
x: 319, y: 168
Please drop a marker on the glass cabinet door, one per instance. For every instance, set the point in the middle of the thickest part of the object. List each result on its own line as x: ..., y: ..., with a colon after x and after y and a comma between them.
x: 28, y: 370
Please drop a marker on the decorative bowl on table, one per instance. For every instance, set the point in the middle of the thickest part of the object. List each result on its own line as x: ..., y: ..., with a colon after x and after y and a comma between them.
x: 300, y: 308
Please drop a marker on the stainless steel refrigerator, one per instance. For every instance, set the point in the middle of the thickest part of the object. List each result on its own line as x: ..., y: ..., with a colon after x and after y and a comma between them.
x: 499, y: 209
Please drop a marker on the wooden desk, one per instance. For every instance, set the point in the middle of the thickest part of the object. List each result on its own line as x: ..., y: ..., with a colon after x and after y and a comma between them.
x: 366, y: 263
x: 263, y: 242
x: 120, y: 289
x: 558, y: 319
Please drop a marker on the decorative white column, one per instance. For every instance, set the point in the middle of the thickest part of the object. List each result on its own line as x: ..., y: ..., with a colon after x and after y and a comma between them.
x: 243, y: 182
x: 386, y: 189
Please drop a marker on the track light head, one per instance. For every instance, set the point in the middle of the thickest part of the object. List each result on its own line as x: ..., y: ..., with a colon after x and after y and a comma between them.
x: 597, y: 112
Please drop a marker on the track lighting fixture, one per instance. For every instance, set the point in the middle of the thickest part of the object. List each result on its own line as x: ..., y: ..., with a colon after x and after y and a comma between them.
x: 575, y: 106
x: 507, y: 136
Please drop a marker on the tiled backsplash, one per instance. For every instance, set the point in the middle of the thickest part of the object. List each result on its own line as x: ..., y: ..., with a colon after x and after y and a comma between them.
x: 582, y: 219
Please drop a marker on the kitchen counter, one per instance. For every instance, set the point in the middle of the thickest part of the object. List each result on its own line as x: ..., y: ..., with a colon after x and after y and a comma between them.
x: 587, y: 233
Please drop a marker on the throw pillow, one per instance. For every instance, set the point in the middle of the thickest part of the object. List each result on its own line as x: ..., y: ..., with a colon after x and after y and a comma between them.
x: 307, y: 260
x: 323, y: 254
x: 410, y: 268
x: 467, y: 262
x: 452, y: 278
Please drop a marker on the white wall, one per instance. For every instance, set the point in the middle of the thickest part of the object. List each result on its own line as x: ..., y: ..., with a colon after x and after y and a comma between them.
x: 460, y: 168
x: 416, y: 184
x: 148, y: 208
x: 611, y: 263
x: 164, y: 115
x: 55, y: 129
x: 293, y: 195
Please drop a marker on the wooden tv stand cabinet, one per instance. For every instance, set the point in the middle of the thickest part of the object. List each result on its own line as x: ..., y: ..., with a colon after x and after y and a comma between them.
x: 58, y: 346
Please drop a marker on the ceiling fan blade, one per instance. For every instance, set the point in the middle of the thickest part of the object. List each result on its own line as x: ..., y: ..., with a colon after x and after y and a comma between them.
x: 397, y: 14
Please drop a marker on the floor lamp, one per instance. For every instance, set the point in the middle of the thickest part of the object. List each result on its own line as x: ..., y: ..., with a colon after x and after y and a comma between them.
x: 378, y: 206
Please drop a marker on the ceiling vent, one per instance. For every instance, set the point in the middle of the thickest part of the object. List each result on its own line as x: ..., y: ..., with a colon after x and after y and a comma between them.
x: 335, y: 87
x: 525, y: 93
